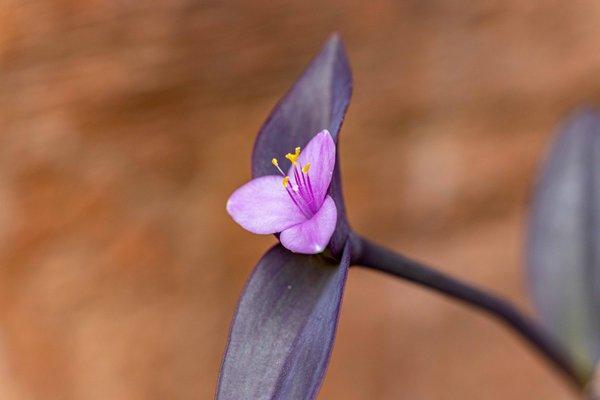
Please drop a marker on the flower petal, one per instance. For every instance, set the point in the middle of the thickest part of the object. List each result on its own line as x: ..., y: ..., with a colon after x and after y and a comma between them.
x: 283, y: 331
x: 564, y: 239
x: 318, y: 100
x: 263, y: 206
x: 312, y: 236
x: 320, y: 153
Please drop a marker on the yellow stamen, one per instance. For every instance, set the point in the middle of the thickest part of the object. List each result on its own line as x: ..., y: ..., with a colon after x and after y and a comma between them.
x: 286, y: 181
x: 293, y: 157
x: 276, y: 164
x: 306, y: 168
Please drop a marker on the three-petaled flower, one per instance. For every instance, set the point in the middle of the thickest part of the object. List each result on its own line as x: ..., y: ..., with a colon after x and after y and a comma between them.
x: 295, y: 204
x: 284, y: 327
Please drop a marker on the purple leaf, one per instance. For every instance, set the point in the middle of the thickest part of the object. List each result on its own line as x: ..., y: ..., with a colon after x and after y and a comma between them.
x: 318, y: 100
x: 282, y: 334
x: 564, y: 239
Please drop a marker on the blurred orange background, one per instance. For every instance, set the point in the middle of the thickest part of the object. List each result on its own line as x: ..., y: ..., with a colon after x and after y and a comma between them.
x: 124, y: 127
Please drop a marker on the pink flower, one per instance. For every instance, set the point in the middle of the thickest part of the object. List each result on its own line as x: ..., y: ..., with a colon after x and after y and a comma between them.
x: 295, y: 205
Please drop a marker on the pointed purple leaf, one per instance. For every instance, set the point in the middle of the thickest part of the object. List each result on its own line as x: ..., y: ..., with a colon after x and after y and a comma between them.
x: 282, y: 334
x: 318, y: 100
x: 564, y: 239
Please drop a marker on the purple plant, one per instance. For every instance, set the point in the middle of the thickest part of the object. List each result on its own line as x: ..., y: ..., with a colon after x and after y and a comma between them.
x: 564, y: 240
x: 283, y: 330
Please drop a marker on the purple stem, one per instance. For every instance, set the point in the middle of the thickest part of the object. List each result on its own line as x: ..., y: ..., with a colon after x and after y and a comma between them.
x: 373, y: 256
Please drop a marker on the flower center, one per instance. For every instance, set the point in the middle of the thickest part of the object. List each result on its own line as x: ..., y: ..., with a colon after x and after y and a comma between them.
x: 300, y: 191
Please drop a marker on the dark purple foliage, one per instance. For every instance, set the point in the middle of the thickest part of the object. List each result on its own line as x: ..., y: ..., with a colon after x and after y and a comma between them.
x: 283, y: 331
x: 564, y: 239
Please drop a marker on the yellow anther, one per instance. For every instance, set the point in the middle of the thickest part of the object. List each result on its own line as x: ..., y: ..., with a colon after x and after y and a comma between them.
x: 275, y: 162
x: 293, y: 157
x: 286, y: 181
x: 306, y: 168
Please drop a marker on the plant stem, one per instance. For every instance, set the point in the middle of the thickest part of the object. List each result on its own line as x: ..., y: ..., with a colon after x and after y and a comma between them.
x: 373, y: 256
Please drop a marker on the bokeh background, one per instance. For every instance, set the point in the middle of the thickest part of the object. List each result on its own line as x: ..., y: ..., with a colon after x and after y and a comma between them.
x: 124, y: 127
